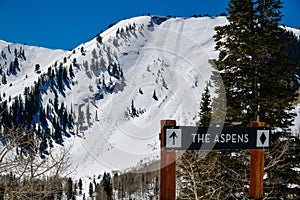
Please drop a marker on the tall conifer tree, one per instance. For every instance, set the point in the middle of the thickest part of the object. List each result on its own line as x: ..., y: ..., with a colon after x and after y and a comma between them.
x: 257, y: 74
x: 205, y: 108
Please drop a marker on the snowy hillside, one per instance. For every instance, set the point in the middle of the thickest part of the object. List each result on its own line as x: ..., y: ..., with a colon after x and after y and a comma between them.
x: 28, y: 57
x: 136, y: 73
x: 168, y: 57
x: 293, y: 30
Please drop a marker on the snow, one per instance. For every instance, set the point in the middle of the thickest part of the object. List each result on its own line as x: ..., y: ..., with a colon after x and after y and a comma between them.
x: 293, y: 30
x: 26, y: 76
x: 170, y: 57
x: 296, y: 127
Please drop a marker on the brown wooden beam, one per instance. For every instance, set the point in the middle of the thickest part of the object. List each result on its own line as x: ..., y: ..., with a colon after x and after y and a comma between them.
x: 167, y: 166
x: 256, y: 169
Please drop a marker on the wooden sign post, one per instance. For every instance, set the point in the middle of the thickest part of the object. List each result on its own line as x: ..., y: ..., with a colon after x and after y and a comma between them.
x: 173, y: 138
x: 167, y: 166
x: 257, y: 169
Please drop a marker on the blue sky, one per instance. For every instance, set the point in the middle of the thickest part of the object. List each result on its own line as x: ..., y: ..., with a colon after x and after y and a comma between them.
x: 65, y: 24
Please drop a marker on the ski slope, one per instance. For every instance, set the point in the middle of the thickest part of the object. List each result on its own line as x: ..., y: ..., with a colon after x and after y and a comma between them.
x: 170, y: 57
x: 26, y: 76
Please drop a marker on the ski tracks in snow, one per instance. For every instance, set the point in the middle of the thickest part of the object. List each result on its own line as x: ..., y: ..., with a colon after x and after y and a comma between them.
x: 178, y: 41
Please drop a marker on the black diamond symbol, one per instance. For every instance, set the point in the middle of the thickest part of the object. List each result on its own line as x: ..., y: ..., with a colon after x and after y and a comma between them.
x: 263, y: 138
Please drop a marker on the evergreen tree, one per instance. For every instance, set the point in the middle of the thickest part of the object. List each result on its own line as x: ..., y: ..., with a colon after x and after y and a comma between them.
x: 61, y: 110
x: 107, y: 185
x: 94, y: 53
x: 257, y: 74
x: 154, y: 96
x: 219, y: 103
x: 16, y: 65
x: 99, y: 38
x: 37, y: 67
x: 59, y: 77
x: 88, y: 114
x: 251, y: 52
x: 91, y: 190
x: 102, y: 64
x: 80, y: 186
x: 80, y: 118
x: 43, y: 119
x: 71, y: 71
x: 115, y: 71
x: 64, y: 120
x: 232, y: 41
x: 141, y: 91
x: 4, y: 81
x: 57, y: 131
x: 69, y: 188
x: 65, y: 74
x: 96, y: 116
x: 133, y: 109
x: 55, y: 104
x: 205, y: 108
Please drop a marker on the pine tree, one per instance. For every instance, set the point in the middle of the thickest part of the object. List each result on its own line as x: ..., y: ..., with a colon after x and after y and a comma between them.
x: 256, y: 73
x: 69, y: 188
x: 99, y: 38
x: 80, y: 186
x: 277, y: 97
x: 115, y: 71
x: 37, y: 67
x: 4, y: 81
x: 107, y: 185
x: 91, y: 190
x: 80, y: 118
x: 55, y: 104
x: 154, y: 96
x: 88, y: 114
x: 59, y: 77
x: 71, y: 71
x: 94, y: 53
x: 251, y: 52
x: 205, y: 108
x: 133, y: 109
x: 219, y: 103
x: 96, y: 116
x: 57, y: 131
x: 232, y: 41
x: 16, y: 65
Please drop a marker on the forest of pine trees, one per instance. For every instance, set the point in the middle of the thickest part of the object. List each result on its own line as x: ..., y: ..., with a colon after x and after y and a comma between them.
x: 27, y: 112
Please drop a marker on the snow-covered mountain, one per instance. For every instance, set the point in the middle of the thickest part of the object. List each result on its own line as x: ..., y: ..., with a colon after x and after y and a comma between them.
x: 28, y: 57
x: 136, y: 73
x: 165, y: 56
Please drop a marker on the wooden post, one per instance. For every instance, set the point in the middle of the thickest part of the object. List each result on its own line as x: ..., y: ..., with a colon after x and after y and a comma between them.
x: 256, y: 169
x: 167, y: 166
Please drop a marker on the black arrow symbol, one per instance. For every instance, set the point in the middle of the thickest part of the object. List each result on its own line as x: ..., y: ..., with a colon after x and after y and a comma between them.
x: 173, y: 135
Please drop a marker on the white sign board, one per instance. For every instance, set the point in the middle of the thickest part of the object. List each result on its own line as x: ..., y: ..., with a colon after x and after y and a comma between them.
x: 173, y: 138
x: 262, y: 139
